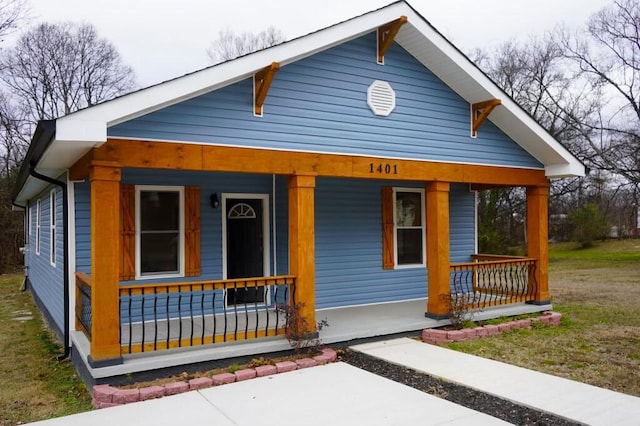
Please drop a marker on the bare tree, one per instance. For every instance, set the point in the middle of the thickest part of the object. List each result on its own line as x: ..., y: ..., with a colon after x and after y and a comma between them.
x: 230, y: 46
x: 56, y: 69
x: 12, y: 12
x: 607, y: 56
x: 52, y: 70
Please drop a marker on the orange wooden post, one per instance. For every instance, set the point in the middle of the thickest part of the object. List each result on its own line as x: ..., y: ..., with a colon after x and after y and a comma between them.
x: 302, y: 243
x: 538, y: 240
x: 105, y: 249
x: 437, y: 210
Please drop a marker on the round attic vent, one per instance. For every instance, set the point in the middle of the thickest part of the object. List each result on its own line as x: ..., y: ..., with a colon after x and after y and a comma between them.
x: 381, y: 98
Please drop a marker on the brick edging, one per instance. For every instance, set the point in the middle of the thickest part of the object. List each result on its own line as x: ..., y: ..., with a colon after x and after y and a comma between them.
x: 435, y: 336
x: 109, y: 396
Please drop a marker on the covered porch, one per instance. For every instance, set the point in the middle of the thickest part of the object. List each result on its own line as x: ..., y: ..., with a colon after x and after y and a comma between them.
x: 120, y: 321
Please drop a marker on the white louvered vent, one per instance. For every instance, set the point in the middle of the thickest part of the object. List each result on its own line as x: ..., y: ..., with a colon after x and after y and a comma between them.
x: 381, y: 98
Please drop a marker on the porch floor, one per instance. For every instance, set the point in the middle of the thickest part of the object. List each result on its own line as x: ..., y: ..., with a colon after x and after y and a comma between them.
x: 345, y: 324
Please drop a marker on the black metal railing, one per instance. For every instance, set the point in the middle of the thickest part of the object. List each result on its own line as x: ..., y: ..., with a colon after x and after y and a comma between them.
x: 163, y: 316
x: 494, y: 280
x: 83, y: 303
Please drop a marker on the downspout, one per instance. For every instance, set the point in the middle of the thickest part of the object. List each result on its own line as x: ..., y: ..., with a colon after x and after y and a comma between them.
x: 65, y: 252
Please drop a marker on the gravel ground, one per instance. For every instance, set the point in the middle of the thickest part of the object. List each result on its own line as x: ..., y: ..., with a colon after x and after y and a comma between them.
x: 460, y: 395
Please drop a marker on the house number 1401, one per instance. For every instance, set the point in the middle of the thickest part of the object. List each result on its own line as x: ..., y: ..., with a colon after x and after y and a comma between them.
x: 383, y: 169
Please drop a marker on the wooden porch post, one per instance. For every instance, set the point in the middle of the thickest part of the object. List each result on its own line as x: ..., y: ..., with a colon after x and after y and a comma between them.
x: 302, y: 242
x: 105, y: 248
x: 538, y: 241
x: 437, y: 211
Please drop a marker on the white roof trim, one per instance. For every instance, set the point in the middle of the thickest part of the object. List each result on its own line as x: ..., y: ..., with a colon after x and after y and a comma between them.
x: 78, y: 132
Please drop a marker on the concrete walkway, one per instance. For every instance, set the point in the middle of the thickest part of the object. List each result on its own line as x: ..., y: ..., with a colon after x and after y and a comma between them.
x: 564, y: 398
x: 330, y: 394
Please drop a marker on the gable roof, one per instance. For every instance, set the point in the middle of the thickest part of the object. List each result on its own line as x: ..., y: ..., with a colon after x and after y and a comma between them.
x: 77, y: 133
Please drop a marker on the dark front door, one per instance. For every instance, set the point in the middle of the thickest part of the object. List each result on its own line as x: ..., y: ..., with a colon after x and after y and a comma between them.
x: 244, y: 248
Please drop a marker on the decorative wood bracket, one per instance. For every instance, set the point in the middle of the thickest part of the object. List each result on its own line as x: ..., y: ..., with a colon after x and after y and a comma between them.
x: 479, y: 112
x: 386, y: 34
x: 261, y: 83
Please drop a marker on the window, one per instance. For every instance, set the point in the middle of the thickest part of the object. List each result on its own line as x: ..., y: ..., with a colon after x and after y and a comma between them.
x: 29, y: 224
x: 159, y: 231
x: 38, y: 223
x: 409, y: 229
x: 52, y: 227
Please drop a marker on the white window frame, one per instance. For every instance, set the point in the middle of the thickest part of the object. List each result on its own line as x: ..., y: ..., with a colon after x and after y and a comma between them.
x: 423, y: 227
x: 38, y: 224
x: 181, y: 248
x: 53, y: 217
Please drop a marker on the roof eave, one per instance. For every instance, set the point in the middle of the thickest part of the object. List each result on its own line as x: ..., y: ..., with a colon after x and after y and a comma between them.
x: 42, y: 139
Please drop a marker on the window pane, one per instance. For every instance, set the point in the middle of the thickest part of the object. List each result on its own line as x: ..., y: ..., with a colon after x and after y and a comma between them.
x: 409, y: 246
x: 408, y: 209
x: 159, y: 252
x: 159, y: 210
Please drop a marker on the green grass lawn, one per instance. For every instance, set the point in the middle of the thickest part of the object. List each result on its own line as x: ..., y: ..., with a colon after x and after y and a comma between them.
x: 34, y: 386
x: 598, y: 341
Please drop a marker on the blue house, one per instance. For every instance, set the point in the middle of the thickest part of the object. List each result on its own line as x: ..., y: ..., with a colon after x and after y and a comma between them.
x: 336, y: 173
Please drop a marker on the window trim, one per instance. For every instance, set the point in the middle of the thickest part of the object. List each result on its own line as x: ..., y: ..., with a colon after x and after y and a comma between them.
x: 53, y: 217
x: 181, y: 244
x: 423, y: 227
x: 38, y: 225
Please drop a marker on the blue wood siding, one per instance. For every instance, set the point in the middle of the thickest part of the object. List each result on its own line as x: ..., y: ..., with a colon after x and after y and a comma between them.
x: 282, y: 225
x: 348, y: 233
x: 47, y: 281
x: 83, y: 226
x: 462, y: 223
x: 319, y: 104
x: 349, y: 243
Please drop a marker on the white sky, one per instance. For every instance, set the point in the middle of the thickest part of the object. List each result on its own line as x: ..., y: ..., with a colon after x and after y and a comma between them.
x: 162, y: 39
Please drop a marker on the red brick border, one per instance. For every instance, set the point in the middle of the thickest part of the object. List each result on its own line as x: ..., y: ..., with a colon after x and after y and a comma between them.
x: 109, y: 396
x: 436, y: 336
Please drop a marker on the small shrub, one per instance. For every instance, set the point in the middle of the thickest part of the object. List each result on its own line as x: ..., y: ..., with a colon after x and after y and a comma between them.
x: 461, y: 308
x: 302, y: 336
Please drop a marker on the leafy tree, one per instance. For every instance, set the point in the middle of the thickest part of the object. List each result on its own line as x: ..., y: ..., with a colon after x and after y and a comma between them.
x: 589, y: 225
x: 230, y: 45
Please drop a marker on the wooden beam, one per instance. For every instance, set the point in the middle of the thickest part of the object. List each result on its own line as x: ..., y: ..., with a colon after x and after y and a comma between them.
x: 437, y: 212
x: 105, y: 251
x: 538, y: 240
x: 386, y: 34
x: 80, y: 170
x: 302, y: 244
x: 480, y: 111
x: 170, y: 155
x: 261, y: 83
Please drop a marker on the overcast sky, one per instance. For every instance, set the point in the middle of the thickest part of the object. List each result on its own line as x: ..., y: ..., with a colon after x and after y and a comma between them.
x: 162, y: 39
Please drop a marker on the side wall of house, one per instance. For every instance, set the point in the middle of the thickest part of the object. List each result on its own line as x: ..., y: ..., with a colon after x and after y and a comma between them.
x: 46, y: 277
